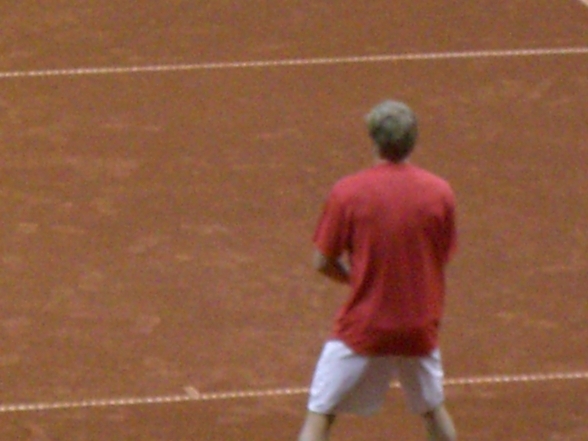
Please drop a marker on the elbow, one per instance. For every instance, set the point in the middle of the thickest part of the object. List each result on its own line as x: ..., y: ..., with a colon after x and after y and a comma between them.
x: 320, y: 263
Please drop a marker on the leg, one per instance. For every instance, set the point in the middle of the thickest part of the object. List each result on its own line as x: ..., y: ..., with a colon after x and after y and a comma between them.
x: 422, y: 382
x: 439, y: 424
x: 343, y: 382
x: 316, y: 427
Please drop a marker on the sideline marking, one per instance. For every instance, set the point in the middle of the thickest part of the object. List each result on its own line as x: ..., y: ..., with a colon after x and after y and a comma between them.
x: 192, y: 394
x: 297, y: 62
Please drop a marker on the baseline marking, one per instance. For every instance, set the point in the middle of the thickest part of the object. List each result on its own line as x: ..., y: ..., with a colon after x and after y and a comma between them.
x: 192, y: 394
x: 297, y: 62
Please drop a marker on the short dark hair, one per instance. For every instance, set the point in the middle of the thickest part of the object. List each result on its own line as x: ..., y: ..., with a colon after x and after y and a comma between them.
x: 393, y: 127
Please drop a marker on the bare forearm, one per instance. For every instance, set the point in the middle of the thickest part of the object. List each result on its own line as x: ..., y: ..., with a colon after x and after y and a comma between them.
x: 334, y: 269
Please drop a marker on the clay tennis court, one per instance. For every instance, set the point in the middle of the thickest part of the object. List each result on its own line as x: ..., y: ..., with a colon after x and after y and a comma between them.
x: 162, y: 170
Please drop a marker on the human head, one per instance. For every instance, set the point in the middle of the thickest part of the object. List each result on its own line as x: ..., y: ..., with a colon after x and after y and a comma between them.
x: 393, y: 127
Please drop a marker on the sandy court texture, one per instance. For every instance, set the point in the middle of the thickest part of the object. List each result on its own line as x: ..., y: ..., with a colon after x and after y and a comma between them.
x: 156, y: 225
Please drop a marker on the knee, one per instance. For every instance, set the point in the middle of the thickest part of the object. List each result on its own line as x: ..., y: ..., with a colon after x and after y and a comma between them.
x: 316, y: 427
x: 440, y: 425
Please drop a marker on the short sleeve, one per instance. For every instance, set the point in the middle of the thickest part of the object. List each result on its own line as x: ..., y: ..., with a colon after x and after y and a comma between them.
x: 450, y: 228
x: 332, y: 232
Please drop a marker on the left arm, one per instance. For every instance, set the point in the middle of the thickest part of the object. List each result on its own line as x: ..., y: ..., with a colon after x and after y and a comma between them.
x: 333, y: 268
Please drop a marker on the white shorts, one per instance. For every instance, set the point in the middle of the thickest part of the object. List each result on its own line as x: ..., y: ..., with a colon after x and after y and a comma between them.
x: 346, y: 382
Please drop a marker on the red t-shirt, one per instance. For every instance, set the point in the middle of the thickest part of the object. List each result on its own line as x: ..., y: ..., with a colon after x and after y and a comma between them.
x: 396, y: 223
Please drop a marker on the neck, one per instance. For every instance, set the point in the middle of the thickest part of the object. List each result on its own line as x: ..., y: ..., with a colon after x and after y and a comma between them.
x: 379, y: 160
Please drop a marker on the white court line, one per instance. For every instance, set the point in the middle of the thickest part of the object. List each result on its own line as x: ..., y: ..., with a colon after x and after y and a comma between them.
x: 584, y: 2
x: 298, y: 62
x: 192, y: 394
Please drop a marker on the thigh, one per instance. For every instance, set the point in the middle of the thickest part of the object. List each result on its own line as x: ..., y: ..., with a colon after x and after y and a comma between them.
x: 346, y: 382
x: 421, y: 379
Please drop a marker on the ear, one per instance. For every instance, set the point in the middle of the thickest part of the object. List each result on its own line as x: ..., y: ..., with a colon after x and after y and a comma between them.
x: 379, y: 135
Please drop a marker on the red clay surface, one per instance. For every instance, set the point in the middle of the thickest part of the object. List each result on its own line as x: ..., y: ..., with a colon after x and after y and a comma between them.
x: 156, y: 226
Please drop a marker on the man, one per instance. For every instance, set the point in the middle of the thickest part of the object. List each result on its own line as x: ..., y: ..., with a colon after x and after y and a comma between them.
x: 387, y: 231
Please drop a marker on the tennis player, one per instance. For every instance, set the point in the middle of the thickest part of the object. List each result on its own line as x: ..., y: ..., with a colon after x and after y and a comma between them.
x: 388, y: 232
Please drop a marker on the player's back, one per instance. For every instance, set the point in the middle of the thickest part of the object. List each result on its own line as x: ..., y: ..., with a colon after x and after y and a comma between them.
x: 401, y: 238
